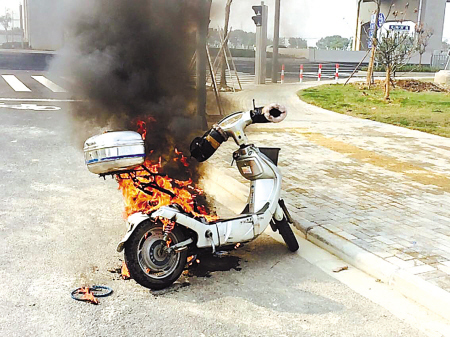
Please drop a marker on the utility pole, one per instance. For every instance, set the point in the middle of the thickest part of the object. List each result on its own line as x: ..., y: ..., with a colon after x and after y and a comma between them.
x: 223, y: 78
x: 374, y: 43
x: 12, y: 26
x: 202, y: 33
x: 260, y: 20
x: 276, y: 38
x: 419, y: 15
x: 21, y: 23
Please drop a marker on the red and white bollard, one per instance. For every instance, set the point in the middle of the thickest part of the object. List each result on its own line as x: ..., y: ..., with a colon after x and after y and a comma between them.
x: 319, y: 75
x: 337, y: 72
x: 282, y: 74
x: 301, y: 73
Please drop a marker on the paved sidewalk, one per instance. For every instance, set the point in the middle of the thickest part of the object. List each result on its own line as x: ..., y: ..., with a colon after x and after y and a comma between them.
x: 358, y: 186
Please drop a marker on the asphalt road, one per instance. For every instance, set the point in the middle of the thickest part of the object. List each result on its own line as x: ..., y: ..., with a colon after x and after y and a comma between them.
x: 59, y: 228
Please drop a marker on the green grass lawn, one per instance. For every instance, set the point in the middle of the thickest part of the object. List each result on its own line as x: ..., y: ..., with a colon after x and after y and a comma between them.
x: 424, y: 111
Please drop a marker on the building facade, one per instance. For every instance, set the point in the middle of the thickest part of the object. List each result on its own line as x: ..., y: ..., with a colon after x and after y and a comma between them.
x: 429, y: 13
x: 43, y: 24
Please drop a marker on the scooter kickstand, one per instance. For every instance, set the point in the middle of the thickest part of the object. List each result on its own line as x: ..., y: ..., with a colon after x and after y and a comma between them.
x: 208, y: 235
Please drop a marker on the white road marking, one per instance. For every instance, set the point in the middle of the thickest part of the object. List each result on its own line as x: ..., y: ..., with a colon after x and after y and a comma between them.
x: 49, y: 84
x: 31, y: 107
x: 7, y: 99
x: 15, y: 83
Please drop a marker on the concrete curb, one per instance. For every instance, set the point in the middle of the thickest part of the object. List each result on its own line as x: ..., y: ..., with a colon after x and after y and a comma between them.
x: 233, y: 193
x: 409, y: 285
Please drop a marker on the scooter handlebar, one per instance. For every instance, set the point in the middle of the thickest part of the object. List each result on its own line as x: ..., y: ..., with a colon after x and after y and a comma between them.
x: 274, y: 113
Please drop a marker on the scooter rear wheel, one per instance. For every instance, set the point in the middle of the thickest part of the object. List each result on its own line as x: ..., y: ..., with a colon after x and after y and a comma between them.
x: 147, y: 259
x: 286, y: 233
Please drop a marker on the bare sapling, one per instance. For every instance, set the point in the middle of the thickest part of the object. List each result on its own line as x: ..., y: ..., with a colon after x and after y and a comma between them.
x: 395, y: 49
x: 423, y: 35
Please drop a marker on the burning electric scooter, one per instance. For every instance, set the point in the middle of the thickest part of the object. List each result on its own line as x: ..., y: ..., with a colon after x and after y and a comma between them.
x: 158, y: 244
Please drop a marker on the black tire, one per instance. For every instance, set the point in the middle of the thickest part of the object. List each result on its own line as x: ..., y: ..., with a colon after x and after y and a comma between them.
x: 287, y: 234
x: 143, y: 256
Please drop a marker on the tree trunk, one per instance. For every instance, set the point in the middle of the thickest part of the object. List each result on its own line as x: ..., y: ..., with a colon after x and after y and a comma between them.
x: 420, y: 60
x: 387, y: 83
x: 370, y: 67
x: 223, y: 78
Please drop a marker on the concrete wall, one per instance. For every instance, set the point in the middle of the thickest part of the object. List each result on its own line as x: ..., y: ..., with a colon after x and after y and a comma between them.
x: 298, y: 53
x: 44, y: 24
x: 317, y: 55
x: 433, y: 16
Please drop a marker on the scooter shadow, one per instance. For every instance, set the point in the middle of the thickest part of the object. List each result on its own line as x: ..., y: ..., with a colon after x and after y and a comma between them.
x: 264, y: 273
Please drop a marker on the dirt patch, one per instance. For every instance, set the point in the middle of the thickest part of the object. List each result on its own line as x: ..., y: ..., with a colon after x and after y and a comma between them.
x: 419, y: 86
x: 409, y: 85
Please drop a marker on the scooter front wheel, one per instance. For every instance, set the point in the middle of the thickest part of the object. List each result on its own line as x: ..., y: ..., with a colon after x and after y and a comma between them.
x: 287, y: 234
x: 150, y: 262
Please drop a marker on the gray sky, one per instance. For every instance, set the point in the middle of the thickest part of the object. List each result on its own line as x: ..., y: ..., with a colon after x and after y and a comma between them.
x: 11, y: 5
x: 309, y: 19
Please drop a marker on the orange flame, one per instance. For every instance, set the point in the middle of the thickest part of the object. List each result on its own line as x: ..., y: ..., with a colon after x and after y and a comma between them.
x: 142, y: 129
x: 146, y: 189
x: 142, y: 126
x: 125, y: 272
x: 88, y: 296
x: 159, y: 190
x: 181, y: 158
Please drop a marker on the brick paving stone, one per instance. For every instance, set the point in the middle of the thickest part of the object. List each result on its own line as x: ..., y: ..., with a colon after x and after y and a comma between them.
x: 331, y: 228
x: 442, y: 282
x: 421, y: 269
x: 346, y: 235
x: 331, y: 179
x: 404, y: 256
x: 443, y: 268
x: 433, y: 275
x: 383, y: 255
x: 429, y: 260
x: 384, y: 240
x: 404, y: 264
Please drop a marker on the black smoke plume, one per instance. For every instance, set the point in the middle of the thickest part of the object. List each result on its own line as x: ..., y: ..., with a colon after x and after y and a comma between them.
x: 130, y: 61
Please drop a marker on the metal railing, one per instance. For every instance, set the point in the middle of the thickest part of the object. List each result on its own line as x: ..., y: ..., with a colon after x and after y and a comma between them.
x: 440, y: 60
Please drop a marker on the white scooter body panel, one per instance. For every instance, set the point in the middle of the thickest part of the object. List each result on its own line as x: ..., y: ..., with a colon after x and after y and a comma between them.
x: 236, y: 230
x: 199, y: 227
x: 132, y: 222
x: 263, y: 203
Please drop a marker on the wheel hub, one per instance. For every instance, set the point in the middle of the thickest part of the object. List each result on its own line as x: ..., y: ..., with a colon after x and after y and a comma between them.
x: 154, y: 257
x: 158, y: 254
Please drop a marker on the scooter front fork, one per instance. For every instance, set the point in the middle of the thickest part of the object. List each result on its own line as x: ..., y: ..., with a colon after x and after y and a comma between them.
x: 277, y: 216
x: 285, y: 211
x: 280, y: 213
